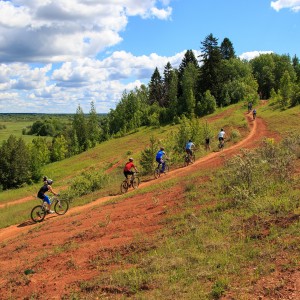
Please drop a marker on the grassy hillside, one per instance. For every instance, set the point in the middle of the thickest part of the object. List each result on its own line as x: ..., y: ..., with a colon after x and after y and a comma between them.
x: 230, y: 232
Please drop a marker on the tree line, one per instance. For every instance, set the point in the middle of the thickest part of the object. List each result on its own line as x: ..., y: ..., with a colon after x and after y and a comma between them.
x: 214, y: 79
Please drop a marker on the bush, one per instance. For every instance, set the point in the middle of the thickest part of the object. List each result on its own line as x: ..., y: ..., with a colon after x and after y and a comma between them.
x: 235, y: 135
x: 87, y: 182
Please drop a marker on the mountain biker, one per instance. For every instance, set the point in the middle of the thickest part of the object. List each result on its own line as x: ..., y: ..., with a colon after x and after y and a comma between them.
x: 221, y: 136
x: 254, y: 113
x: 207, y: 143
x: 44, y: 189
x: 188, y: 148
x: 128, y: 166
x: 159, y: 158
x: 249, y: 106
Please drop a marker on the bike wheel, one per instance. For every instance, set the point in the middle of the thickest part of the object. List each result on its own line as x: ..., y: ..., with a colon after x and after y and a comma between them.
x: 186, y: 161
x: 61, y: 207
x: 38, y: 214
x: 135, y: 183
x: 167, y: 169
x: 156, y: 173
x: 193, y: 158
x: 124, y: 187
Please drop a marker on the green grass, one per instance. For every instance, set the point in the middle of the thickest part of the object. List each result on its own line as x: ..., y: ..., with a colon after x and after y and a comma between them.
x: 209, y: 244
x: 14, y: 128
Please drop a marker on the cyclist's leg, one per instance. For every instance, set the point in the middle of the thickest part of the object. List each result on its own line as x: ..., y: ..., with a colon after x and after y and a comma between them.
x: 163, y: 164
x: 47, y: 200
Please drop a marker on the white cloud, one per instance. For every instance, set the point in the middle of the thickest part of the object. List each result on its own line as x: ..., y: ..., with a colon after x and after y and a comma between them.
x: 294, y: 5
x: 253, y: 54
x: 60, y: 88
x: 56, y: 31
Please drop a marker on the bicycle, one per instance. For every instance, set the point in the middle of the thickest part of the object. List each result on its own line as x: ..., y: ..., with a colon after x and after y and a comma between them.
x: 158, y: 170
x: 134, y: 182
x: 221, y: 144
x: 189, y: 159
x: 39, y: 212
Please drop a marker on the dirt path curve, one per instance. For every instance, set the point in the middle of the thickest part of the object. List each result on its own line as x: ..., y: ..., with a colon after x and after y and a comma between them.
x: 258, y: 130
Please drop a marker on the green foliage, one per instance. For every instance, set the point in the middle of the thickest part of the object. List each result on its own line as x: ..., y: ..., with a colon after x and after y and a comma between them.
x: 59, y: 150
x: 245, y: 175
x: 235, y: 135
x: 85, y: 183
x: 285, y: 90
x: 147, y: 160
x: 14, y: 163
x: 207, y: 105
x: 46, y: 127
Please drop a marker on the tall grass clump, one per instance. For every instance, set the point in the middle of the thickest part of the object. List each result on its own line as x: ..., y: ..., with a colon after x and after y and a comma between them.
x: 85, y: 183
x: 256, y: 173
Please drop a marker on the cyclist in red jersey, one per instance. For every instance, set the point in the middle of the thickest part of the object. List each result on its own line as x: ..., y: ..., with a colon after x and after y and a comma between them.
x: 127, y: 169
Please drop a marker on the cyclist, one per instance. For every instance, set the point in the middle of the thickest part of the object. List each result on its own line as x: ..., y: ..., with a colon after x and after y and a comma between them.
x: 127, y: 169
x: 254, y: 113
x: 44, y: 189
x: 159, y: 158
x: 249, y: 106
x: 221, y: 136
x: 207, y: 143
x: 188, y: 148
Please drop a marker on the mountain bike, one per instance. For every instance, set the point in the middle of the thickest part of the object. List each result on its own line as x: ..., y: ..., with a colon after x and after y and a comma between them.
x: 39, y: 212
x: 221, y: 144
x: 158, y: 171
x: 134, y: 182
x: 189, y: 159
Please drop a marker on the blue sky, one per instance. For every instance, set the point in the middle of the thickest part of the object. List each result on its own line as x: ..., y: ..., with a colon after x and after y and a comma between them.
x: 56, y: 55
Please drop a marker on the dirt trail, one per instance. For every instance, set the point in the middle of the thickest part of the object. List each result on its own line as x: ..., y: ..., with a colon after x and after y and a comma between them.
x: 64, y: 251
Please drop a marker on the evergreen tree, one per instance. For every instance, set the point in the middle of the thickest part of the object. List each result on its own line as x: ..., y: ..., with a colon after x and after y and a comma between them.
x: 211, y: 59
x: 93, y: 126
x: 80, y: 129
x: 227, y: 49
x: 296, y: 66
x: 172, y: 95
x: 156, y: 89
x: 189, y: 86
x: 189, y: 58
x: 285, y: 90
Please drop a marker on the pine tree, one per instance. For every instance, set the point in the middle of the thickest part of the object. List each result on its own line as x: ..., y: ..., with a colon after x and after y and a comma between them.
x: 80, y: 129
x: 93, y: 126
x: 156, y: 88
x: 211, y: 59
x: 227, y: 49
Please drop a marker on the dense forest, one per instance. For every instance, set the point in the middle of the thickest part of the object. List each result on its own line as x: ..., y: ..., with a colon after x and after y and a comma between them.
x: 216, y: 78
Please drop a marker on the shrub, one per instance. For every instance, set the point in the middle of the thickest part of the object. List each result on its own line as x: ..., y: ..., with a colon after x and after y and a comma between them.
x: 235, y: 135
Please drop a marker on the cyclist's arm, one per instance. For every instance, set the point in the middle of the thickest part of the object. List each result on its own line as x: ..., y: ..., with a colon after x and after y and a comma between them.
x: 51, y: 190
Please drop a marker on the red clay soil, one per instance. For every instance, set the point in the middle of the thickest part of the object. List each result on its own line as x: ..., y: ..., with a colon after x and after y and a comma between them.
x: 63, y: 251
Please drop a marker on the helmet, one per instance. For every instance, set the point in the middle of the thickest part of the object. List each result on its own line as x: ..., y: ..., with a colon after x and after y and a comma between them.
x: 130, y: 159
x: 162, y: 148
x: 49, y: 181
x: 44, y: 178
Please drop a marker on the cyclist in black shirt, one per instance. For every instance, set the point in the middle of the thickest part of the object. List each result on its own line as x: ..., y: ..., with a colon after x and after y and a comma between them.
x: 44, y: 189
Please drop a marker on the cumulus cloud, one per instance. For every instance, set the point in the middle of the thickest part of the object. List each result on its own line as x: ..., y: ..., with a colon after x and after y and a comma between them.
x: 60, y: 88
x: 56, y: 31
x: 252, y: 54
x: 294, y: 5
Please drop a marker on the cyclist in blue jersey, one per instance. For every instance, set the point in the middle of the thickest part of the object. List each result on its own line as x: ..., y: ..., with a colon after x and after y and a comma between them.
x: 160, y: 156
